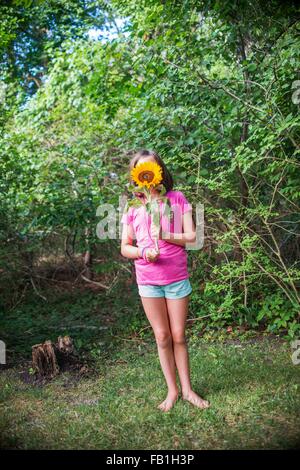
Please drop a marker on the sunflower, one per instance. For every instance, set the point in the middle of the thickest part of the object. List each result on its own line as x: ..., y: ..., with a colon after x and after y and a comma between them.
x: 147, y: 174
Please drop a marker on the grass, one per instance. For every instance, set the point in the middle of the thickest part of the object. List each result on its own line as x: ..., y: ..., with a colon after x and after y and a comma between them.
x: 252, y: 385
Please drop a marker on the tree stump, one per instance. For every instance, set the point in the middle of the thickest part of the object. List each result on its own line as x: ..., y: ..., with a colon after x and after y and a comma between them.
x: 65, y: 353
x: 49, y: 359
x: 44, y: 359
x: 65, y: 345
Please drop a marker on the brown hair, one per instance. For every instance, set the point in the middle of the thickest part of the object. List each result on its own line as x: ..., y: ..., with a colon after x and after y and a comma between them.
x: 167, y: 179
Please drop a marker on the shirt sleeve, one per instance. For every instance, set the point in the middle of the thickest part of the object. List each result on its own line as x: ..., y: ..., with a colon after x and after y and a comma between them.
x: 127, y: 217
x: 184, y: 204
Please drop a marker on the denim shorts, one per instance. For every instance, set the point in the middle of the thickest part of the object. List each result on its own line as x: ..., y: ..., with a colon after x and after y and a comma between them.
x: 174, y: 290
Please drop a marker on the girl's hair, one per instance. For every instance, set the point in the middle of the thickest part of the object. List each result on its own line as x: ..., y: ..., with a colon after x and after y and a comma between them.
x: 167, y: 179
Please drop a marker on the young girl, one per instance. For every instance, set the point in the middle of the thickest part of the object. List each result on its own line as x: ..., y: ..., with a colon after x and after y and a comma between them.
x: 163, y: 279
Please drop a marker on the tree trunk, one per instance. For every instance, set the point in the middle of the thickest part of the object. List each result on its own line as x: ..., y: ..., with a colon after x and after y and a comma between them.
x: 49, y: 359
x: 87, y: 258
x: 44, y: 359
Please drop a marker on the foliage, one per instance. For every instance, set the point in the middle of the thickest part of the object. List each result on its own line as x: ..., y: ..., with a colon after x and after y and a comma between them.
x: 212, y: 87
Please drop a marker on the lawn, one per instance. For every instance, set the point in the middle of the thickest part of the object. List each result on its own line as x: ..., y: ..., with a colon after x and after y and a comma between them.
x: 251, y: 382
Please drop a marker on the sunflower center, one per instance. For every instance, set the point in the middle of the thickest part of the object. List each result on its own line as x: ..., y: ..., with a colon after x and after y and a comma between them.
x: 146, y: 175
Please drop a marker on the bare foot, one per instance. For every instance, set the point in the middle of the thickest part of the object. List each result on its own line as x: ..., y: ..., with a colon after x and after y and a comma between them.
x: 193, y: 398
x: 167, y: 404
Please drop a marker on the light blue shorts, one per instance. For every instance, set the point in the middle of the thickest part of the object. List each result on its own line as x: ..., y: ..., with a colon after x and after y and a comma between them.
x: 174, y: 290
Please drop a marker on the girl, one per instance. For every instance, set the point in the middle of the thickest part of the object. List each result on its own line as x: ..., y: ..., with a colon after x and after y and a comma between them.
x: 163, y: 280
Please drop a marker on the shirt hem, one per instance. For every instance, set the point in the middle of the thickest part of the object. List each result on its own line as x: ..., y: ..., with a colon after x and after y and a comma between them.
x: 163, y: 283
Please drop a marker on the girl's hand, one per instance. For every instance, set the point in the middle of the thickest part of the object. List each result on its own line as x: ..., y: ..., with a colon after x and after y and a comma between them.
x: 151, y: 255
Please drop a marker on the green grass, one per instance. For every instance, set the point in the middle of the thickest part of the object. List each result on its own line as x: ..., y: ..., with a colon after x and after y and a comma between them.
x: 253, y: 389
x: 252, y: 385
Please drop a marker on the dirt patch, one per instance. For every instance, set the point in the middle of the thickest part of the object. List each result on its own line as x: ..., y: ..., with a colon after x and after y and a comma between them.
x: 71, y: 375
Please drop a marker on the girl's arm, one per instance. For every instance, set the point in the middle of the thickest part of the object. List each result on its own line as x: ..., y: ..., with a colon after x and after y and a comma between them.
x: 188, y: 235
x: 133, y: 252
x: 127, y: 248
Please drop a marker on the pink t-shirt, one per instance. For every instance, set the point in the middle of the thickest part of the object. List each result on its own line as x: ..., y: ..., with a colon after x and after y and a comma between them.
x: 171, y: 265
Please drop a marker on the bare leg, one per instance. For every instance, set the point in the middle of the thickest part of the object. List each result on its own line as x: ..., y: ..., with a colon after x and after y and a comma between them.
x: 157, y: 314
x: 177, y: 311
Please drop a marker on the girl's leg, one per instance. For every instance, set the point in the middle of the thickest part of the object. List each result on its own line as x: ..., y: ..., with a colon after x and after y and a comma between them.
x: 177, y: 311
x: 156, y: 312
